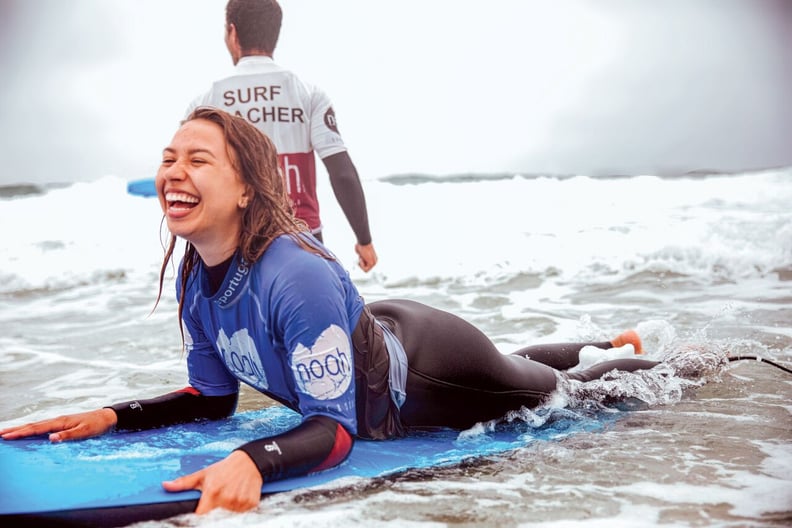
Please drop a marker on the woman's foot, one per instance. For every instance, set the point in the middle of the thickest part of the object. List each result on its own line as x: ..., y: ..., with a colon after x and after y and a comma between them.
x: 628, y: 336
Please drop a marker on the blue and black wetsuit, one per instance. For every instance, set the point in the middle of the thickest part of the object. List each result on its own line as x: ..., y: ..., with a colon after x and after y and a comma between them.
x: 293, y: 326
x: 457, y: 377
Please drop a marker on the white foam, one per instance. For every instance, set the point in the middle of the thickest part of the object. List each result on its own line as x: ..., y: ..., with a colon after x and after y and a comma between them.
x: 729, y: 227
x: 591, y: 355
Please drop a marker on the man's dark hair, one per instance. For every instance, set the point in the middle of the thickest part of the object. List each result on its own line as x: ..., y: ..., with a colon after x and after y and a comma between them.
x: 258, y: 23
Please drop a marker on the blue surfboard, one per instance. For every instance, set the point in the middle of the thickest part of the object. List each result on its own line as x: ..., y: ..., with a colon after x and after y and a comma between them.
x: 144, y: 187
x: 116, y: 479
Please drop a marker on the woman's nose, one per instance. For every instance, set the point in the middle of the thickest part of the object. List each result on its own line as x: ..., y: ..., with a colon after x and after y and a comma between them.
x: 174, y: 171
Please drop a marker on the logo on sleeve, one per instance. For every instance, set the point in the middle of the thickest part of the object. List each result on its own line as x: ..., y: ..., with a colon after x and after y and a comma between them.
x: 325, y: 370
x: 242, y: 358
x: 330, y: 120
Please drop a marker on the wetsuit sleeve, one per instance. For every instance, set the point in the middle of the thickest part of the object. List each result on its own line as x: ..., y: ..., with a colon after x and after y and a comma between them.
x: 182, y: 406
x: 318, y: 443
x: 349, y: 193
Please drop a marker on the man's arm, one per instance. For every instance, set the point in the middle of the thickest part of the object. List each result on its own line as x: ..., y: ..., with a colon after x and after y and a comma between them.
x: 349, y: 192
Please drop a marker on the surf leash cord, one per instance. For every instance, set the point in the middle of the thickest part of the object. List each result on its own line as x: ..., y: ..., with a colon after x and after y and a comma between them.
x: 762, y: 360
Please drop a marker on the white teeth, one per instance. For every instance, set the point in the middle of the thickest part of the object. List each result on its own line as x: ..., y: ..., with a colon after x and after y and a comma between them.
x: 180, y: 197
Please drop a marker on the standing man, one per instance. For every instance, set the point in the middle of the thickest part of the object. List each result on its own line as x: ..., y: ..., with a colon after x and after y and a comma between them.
x: 298, y: 117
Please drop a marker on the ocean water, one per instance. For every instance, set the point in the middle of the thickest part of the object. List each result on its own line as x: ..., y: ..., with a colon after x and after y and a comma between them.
x: 700, y: 265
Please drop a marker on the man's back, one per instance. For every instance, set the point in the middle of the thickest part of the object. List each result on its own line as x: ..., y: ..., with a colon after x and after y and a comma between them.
x: 296, y: 116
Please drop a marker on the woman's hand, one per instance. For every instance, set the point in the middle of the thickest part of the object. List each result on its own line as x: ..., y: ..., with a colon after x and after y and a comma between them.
x: 234, y: 484
x: 68, y: 427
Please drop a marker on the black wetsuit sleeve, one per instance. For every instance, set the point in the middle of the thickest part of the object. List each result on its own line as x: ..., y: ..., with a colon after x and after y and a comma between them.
x: 186, y: 405
x: 318, y: 443
x: 349, y: 192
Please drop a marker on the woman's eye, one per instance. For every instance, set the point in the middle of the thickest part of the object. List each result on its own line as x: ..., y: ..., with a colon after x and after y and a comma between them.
x: 167, y: 161
x: 198, y: 161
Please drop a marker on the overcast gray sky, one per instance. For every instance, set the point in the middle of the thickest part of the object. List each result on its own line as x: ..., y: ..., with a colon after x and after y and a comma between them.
x: 97, y: 87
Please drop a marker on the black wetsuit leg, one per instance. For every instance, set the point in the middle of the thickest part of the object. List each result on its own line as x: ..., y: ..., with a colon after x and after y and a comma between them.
x: 457, y: 377
x: 560, y: 356
x: 563, y: 356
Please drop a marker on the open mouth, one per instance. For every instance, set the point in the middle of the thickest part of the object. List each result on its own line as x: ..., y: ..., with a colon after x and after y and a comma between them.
x: 180, y: 200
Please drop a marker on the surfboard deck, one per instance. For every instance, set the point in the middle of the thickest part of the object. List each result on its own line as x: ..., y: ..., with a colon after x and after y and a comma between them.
x: 116, y: 479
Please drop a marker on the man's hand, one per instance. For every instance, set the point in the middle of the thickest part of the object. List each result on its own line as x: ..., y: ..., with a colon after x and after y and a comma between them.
x: 367, y: 256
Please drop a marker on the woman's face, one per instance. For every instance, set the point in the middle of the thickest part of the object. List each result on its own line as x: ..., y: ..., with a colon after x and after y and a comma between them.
x: 202, y: 195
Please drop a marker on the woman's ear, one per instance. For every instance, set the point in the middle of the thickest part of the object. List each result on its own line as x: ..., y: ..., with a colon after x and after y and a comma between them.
x: 244, y: 199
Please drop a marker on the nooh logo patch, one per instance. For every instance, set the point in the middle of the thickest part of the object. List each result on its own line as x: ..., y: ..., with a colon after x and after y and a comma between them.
x: 325, y: 370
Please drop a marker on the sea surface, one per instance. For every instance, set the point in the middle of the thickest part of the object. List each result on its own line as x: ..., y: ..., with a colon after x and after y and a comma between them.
x: 700, y: 265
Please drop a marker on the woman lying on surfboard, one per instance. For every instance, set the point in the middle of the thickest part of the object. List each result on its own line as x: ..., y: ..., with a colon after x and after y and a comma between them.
x: 263, y: 302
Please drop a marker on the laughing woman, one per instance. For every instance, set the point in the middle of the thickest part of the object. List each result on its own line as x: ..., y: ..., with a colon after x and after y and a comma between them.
x: 263, y: 302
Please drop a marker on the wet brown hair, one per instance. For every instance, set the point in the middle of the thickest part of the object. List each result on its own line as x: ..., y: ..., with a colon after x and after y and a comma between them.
x: 268, y: 214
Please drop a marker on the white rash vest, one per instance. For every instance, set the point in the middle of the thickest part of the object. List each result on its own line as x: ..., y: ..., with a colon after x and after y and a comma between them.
x: 298, y: 117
